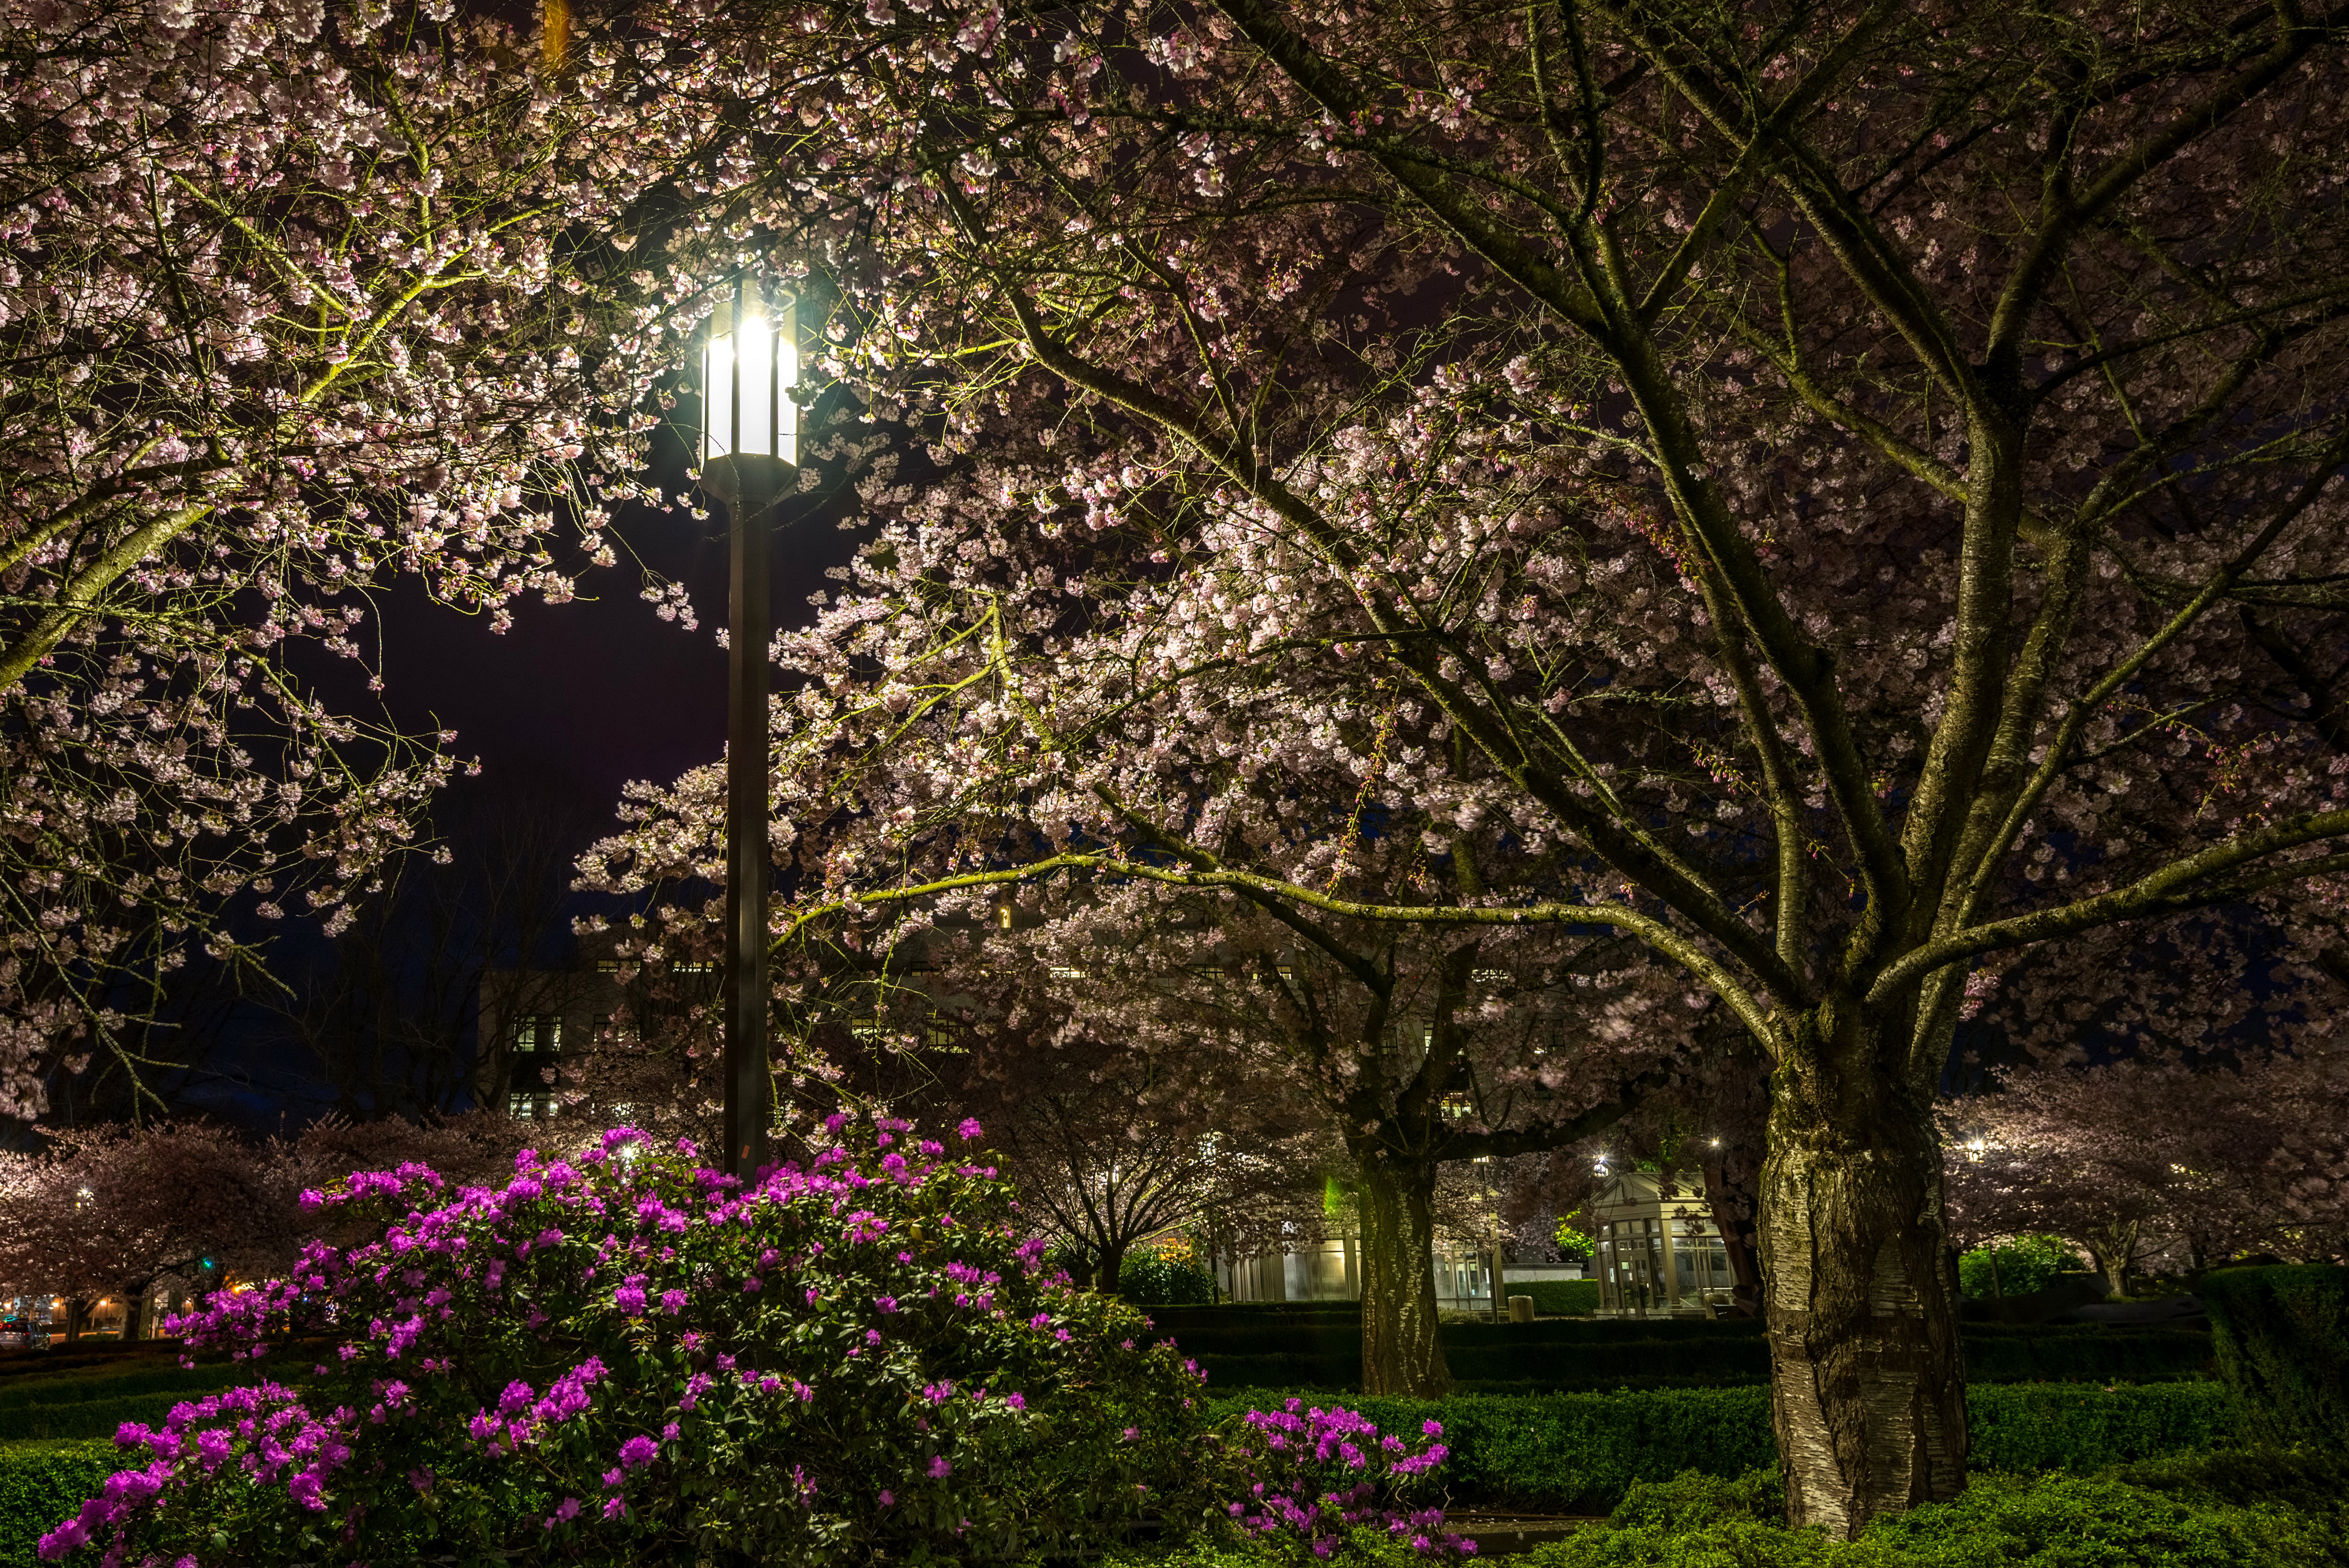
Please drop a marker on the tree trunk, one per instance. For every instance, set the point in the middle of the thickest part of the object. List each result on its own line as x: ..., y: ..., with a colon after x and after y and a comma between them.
x: 1110, y: 1268
x: 1867, y: 1383
x: 1400, y: 1354
x: 1733, y: 1216
x: 2115, y: 1247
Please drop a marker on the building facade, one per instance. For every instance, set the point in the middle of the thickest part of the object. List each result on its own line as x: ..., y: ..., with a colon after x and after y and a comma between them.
x: 1330, y: 1270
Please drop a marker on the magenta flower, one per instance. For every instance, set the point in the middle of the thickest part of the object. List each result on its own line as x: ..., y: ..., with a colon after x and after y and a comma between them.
x: 940, y: 1469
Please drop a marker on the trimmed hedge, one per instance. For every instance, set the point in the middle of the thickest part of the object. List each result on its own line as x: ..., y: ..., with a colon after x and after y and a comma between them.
x: 1565, y: 1453
x: 86, y: 1418
x: 1579, y: 1453
x: 1323, y: 1350
x: 41, y: 1483
x: 92, y: 1401
x: 2281, y: 1338
x: 1558, y: 1298
x: 2026, y: 1522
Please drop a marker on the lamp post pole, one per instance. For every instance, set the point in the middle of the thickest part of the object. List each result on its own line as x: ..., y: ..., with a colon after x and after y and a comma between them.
x: 751, y: 444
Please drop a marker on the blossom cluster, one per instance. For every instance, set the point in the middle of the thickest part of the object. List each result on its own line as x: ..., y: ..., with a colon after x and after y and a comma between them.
x: 1312, y: 1475
x: 620, y: 1345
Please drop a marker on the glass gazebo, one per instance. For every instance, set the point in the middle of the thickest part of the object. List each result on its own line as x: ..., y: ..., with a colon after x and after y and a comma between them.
x: 1660, y: 1254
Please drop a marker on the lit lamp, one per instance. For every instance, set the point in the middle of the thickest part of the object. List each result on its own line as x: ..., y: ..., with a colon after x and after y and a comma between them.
x: 750, y: 457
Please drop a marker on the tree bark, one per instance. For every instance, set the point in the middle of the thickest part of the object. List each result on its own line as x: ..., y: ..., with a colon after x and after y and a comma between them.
x: 1867, y: 1382
x: 1732, y: 1215
x: 1110, y: 1269
x: 1401, y: 1352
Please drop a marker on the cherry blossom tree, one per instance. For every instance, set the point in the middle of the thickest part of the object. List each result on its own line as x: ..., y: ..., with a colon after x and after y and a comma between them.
x: 292, y: 302
x: 1109, y: 1148
x: 2154, y: 1156
x: 1409, y: 1050
x: 1837, y: 493
x: 111, y: 1210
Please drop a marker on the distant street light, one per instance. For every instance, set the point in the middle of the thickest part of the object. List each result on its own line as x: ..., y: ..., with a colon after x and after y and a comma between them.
x: 750, y: 457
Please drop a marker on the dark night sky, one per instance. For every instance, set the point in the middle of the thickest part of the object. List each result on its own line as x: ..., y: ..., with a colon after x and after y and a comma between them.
x: 575, y: 700
x: 589, y: 695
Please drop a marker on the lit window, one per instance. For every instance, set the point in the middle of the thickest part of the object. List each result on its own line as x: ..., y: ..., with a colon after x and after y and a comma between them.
x: 538, y: 1032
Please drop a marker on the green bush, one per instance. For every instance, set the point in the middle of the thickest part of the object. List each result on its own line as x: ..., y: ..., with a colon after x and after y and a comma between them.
x: 81, y: 1384
x: 2083, y: 1427
x: 41, y: 1483
x: 2281, y: 1339
x: 1323, y: 1351
x: 92, y: 1401
x: 1560, y: 1298
x: 83, y: 1418
x: 1580, y: 1453
x: 1156, y: 1276
x: 2055, y: 1521
x: 2119, y: 1521
x: 2083, y: 1353
x: 2314, y: 1481
x: 2015, y: 1268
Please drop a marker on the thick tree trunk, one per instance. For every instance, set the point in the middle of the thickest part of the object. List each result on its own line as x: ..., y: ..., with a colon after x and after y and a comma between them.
x: 1110, y: 1266
x: 1732, y: 1215
x: 1400, y: 1354
x: 1867, y: 1383
x: 2115, y: 1247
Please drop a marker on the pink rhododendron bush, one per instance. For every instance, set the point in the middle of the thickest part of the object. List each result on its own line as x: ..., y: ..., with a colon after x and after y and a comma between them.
x: 623, y: 1356
x: 1313, y: 1479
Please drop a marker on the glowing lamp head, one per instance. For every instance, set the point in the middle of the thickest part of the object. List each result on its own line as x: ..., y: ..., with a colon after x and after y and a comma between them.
x: 749, y: 363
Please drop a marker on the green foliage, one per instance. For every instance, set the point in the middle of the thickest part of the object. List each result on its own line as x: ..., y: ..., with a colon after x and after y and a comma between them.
x: 2311, y: 1481
x: 1166, y: 1276
x: 1578, y: 1453
x: 1573, y: 1238
x: 1322, y: 1349
x: 2083, y: 1353
x: 2281, y: 1338
x: 1581, y: 1453
x: 2018, y: 1267
x: 2082, y: 1427
x: 40, y: 1483
x: 1560, y: 1298
x: 2220, y: 1513
x: 92, y: 1401
x: 2052, y: 1521
x: 1361, y: 1549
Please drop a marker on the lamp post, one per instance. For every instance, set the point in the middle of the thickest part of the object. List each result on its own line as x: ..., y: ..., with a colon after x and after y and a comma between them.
x: 749, y: 454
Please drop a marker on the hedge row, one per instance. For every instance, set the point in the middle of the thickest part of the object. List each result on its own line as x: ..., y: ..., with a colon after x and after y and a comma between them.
x: 84, y: 1418
x: 2283, y: 1342
x: 1559, y: 1297
x: 74, y: 1386
x: 1578, y: 1453
x: 1328, y: 1355
x: 41, y: 1483
x: 92, y: 1401
x: 1569, y: 1453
